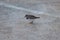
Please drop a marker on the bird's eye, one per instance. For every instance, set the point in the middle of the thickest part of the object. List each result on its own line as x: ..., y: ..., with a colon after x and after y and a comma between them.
x: 26, y: 18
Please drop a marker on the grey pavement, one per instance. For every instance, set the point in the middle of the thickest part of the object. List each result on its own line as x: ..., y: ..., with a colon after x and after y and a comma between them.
x: 13, y: 25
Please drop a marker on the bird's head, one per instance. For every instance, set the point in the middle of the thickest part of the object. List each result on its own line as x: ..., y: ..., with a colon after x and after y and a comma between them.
x: 26, y: 15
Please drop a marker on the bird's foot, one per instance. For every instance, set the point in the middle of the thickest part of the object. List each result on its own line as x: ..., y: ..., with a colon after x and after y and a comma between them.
x: 31, y: 22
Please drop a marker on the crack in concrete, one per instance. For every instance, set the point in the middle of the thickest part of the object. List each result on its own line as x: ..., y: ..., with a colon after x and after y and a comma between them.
x: 28, y: 10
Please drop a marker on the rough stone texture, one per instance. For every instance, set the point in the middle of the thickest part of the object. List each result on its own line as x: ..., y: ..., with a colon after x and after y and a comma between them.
x: 13, y: 25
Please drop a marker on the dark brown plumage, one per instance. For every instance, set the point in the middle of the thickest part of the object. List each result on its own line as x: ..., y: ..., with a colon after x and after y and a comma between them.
x: 31, y: 17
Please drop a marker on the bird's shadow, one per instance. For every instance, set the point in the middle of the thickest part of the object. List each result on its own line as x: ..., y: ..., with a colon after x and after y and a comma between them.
x: 32, y: 27
x: 32, y: 24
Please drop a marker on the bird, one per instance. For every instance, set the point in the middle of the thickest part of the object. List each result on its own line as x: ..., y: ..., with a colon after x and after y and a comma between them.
x: 31, y: 18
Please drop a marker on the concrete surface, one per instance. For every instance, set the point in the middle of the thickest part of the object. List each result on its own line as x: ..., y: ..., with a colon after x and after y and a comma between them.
x: 13, y: 25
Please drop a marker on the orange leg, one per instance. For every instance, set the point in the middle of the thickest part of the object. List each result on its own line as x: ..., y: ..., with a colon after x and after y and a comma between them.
x: 31, y: 22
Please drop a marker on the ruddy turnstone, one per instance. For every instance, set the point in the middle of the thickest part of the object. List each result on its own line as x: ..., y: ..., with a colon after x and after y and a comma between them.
x: 31, y: 18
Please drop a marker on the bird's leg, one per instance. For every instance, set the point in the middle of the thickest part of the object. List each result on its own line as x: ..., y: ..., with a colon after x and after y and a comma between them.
x: 31, y: 22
